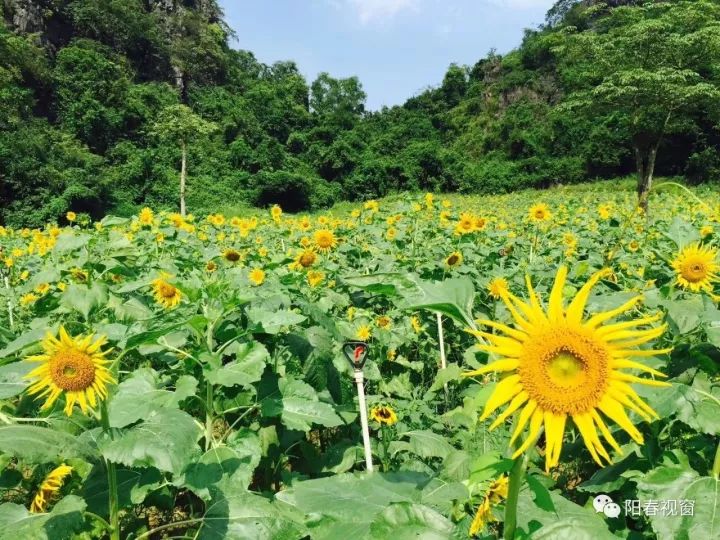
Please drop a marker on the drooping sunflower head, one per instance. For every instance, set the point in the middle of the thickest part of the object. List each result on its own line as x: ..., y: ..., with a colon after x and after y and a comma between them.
x: 166, y: 294
x: 496, y: 492
x: 73, y: 366
x: 696, y: 267
x: 383, y: 414
x: 539, y: 212
x: 558, y: 365
x: 324, y: 239
x: 454, y: 259
x: 49, y: 488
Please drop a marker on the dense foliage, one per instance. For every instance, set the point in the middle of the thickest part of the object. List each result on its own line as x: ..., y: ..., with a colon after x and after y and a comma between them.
x: 226, y: 408
x: 86, y: 88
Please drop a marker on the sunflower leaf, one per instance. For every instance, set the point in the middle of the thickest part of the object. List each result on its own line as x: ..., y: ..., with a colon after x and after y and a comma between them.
x: 166, y: 440
x: 40, y: 444
x: 63, y: 521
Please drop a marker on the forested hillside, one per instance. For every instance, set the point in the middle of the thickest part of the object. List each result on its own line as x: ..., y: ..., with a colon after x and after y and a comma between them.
x: 100, y: 98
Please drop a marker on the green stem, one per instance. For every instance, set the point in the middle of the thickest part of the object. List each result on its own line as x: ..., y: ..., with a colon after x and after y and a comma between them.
x: 716, y: 464
x: 112, y: 480
x: 515, y: 481
x: 208, y: 416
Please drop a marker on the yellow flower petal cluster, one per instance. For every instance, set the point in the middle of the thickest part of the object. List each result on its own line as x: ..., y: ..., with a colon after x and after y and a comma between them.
x: 75, y: 367
x: 557, y: 365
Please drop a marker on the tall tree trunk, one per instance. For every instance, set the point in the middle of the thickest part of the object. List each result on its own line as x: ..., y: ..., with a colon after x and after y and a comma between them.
x: 183, y: 177
x: 645, y: 162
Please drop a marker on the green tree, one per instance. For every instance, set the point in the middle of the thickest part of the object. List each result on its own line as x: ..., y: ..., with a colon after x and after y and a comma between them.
x: 651, y: 65
x: 179, y: 124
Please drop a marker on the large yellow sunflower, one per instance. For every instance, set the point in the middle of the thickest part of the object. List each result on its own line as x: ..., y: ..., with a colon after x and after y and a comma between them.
x: 324, y: 239
x: 696, y: 267
x: 72, y: 365
x: 557, y: 365
x: 50, y: 487
x: 166, y: 294
x: 539, y: 212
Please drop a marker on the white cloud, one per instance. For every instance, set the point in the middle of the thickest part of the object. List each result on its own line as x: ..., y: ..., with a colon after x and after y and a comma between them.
x: 376, y: 11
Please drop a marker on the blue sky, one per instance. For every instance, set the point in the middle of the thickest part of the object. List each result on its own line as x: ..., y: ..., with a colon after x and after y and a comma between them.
x: 396, y: 47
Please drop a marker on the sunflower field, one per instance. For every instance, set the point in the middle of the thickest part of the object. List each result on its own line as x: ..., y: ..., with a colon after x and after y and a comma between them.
x: 540, y: 365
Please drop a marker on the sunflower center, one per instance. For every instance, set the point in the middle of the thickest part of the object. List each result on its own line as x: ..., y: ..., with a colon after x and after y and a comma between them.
x: 306, y: 259
x: 452, y: 260
x: 694, y: 271
x: 72, y: 370
x: 383, y: 413
x: 565, y: 370
x: 167, y: 290
x: 232, y: 256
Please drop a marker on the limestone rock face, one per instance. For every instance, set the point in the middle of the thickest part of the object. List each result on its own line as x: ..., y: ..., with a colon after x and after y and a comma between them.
x: 24, y: 16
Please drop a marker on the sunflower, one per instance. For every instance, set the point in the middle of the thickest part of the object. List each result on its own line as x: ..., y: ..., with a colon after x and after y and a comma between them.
x: 146, y: 216
x: 706, y: 230
x: 363, y: 332
x: 29, y: 298
x: 50, y: 487
x: 304, y: 259
x: 497, y: 491
x: 372, y: 205
x: 383, y: 321
x: 696, y: 267
x: 383, y: 414
x: 42, y: 288
x: 71, y: 216
x: 166, y: 295
x: 256, y: 276
x: 466, y: 224
x: 73, y: 365
x: 304, y: 224
x: 79, y: 274
x: 315, y: 278
x: 415, y: 323
x: 454, y: 259
x: 557, y: 366
x: 211, y: 266
x: 231, y: 255
x: 539, y: 212
x: 324, y: 239
x: 276, y: 212
x: 497, y: 287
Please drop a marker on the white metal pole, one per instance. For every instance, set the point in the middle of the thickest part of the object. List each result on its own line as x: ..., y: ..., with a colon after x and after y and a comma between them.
x: 359, y: 380
x: 441, y: 338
